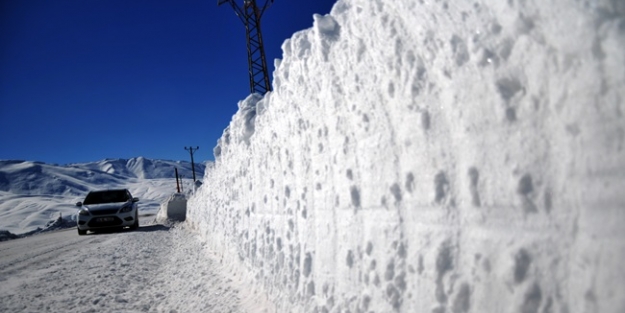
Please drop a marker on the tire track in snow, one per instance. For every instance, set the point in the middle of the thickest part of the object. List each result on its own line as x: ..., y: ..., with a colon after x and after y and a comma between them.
x: 31, y: 252
x: 153, y: 269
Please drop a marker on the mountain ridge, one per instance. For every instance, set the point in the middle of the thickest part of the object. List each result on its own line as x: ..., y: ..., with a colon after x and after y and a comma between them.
x: 34, y: 177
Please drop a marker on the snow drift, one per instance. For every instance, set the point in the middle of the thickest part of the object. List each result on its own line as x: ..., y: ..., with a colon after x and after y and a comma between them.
x: 432, y: 156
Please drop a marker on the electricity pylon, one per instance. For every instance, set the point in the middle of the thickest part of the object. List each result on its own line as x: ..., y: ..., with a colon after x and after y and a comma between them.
x: 250, y: 15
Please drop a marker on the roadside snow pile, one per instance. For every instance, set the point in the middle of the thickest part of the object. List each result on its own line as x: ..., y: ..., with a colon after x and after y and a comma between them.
x: 55, y: 224
x: 60, y: 223
x: 7, y: 235
x: 172, y: 209
x: 432, y: 156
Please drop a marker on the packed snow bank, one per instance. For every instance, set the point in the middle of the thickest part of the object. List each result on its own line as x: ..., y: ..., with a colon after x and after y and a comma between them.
x: 432, y: 156
x: 173, y: 209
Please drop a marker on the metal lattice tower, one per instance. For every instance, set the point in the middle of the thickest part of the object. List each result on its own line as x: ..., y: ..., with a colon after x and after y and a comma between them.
x: 250, y: 15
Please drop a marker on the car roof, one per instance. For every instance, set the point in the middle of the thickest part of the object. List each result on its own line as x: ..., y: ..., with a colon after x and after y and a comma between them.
x: 108, y: 190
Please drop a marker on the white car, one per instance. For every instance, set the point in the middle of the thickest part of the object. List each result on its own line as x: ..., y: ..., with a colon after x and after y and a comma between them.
x: 107, y: 209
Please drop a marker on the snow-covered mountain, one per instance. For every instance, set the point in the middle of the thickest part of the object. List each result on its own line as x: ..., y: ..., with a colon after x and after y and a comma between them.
x: 143, y: 168
x: 432, y: 156
x: 33, y: 193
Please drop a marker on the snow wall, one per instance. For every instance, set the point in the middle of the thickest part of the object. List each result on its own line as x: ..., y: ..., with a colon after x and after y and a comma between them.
x: 432, y: 156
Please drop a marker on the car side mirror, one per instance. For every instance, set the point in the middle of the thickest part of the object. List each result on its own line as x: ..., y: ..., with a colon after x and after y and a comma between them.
x: 78, y: 203
x: 135, y: 199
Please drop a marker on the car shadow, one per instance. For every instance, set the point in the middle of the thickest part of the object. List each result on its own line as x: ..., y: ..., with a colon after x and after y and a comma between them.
x: 146, y: 229
x: 152, y: 228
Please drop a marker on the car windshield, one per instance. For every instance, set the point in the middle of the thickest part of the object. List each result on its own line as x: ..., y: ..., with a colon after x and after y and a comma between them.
x: 109, y: 196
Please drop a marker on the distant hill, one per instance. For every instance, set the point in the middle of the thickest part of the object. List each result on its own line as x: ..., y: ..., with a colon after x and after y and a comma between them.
x: 37, y: 178
x: 143, y: 168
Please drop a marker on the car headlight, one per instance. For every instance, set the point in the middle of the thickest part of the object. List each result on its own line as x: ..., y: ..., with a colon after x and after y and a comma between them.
x: 126, y: 209
x: 83, y: 212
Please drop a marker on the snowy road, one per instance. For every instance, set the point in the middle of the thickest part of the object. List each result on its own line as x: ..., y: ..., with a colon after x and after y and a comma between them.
x: 153, y: 269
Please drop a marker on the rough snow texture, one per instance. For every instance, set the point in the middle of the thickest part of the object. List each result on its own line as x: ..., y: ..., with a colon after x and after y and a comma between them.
x: 433, y: 156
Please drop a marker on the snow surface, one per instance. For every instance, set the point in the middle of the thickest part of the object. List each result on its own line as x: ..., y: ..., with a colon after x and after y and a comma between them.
x: 34, y: 193
x: 152, y: 269
x: 432, y: 156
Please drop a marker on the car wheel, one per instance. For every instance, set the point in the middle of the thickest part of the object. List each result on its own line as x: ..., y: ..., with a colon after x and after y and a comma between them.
x: 81, y: 232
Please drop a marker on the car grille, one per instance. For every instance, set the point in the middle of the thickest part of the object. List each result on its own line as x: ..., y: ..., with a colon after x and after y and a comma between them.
x: 104, y: 212
x: 115, y: 222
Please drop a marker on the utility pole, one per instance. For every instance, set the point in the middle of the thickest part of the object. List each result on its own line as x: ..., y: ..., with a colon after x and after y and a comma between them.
x: 250, y: 15
x: 181, y: 183
x: 190, y: 149
x: 177, y: 184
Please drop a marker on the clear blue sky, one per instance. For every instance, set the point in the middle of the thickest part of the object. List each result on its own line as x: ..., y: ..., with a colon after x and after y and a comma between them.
x: 82, y: 81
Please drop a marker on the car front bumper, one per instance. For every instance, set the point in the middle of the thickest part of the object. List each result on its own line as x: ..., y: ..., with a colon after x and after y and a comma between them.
x: 93, y: 222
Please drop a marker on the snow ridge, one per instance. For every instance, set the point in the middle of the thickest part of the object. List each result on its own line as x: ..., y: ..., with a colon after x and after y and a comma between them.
x: 427, y: 156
